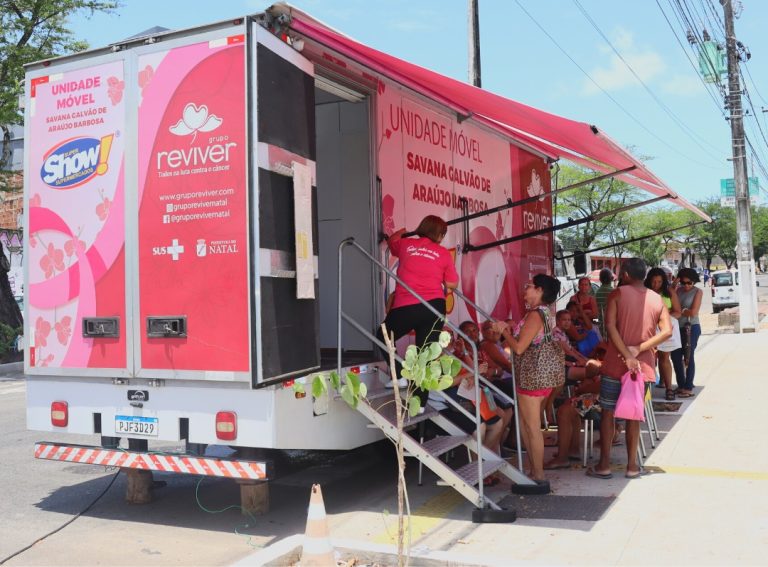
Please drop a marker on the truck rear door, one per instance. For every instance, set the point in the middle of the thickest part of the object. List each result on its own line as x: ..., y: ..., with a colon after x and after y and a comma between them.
x: 191, y: 222
x: 75, y: 202
x: 285, y: 239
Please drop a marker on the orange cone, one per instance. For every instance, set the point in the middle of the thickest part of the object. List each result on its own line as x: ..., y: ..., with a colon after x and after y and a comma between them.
x: 317, y: 550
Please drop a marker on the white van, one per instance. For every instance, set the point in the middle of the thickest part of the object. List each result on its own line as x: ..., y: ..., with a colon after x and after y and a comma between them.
x: 725, y: 289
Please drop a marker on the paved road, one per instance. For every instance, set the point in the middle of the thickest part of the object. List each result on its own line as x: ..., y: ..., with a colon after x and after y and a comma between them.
x: 40, y: 496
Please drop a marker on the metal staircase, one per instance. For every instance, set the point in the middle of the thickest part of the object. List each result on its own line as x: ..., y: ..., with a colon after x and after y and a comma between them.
x: 379, y: 408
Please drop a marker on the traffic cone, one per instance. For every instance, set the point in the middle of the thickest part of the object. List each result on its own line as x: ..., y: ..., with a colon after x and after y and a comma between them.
x: 317, y: 550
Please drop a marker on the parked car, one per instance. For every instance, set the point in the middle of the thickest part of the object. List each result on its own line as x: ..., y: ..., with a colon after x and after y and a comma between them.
x: 725, y: 289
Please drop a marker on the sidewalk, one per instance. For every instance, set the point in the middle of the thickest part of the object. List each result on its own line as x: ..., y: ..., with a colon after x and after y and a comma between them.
x: 705, y: 504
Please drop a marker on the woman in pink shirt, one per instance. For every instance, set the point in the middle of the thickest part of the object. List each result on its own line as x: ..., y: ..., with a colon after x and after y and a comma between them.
x: 428, y: 269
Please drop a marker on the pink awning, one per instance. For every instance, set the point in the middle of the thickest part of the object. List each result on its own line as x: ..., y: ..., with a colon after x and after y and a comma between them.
x: 548, y: 133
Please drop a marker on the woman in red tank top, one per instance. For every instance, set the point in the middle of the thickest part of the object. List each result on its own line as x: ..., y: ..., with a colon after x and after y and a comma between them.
x: 585, y: 298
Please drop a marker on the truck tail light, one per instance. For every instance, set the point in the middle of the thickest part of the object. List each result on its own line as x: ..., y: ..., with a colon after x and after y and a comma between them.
x: 59, y: 414
x: 226, y: 425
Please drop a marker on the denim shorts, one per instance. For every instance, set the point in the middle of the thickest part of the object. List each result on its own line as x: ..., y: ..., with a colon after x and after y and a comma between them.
x: 610, y: 388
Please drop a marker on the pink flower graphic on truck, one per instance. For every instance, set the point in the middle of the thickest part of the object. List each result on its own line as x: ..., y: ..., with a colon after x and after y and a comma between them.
x: 42, y: 330
x: 195, y: 119
x: 64, y: 330
x: 52, y: 262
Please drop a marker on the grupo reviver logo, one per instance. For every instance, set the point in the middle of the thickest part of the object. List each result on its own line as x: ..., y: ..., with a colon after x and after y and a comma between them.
x: 195, y: 119
x: 75, y: 161
x: 535, y: 187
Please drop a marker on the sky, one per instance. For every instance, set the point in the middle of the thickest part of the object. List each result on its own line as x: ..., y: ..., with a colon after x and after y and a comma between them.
x: 669, y: 117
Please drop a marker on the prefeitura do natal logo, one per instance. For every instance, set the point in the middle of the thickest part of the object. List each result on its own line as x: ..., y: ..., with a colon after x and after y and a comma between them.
x: 75, y: 161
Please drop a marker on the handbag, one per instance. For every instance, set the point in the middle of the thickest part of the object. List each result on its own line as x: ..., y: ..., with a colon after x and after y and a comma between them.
x: 631, y: 402
x: 541, y: 366
x: 674, y: 342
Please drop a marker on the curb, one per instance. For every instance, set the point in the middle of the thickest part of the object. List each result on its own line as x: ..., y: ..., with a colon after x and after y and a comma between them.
x: 12, y: 368
x: 288, y: 551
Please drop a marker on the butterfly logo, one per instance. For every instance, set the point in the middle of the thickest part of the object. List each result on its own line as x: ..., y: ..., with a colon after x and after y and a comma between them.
x: 195, y: 119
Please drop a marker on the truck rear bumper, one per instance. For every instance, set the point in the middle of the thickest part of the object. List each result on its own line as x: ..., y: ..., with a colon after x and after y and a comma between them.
x: 154, y: 461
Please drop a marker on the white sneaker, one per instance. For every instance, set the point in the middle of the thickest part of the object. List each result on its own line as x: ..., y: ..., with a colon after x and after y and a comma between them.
x: 402, y: 383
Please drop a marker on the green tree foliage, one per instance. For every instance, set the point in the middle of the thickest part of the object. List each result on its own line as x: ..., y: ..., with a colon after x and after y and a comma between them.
x: 591, y: 199
x: 31, y: 30
x: 717, y: 238
x: 760, y: 234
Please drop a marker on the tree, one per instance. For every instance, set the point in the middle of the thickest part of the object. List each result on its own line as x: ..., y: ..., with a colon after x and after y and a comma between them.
x: 719, y: 237
x: 760, y: 234
x: 31, y: 30
x: 652, y: 221
x: 591, y: 199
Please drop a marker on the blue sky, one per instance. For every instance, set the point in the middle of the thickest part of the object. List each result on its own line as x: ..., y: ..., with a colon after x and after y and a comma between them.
x: 689, y: 143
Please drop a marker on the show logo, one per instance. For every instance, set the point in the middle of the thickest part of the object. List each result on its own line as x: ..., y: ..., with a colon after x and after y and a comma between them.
x: 75, y: 161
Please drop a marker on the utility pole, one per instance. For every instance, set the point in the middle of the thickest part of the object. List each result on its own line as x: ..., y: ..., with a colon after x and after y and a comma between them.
x: 744, y: 251
x: 474, y: 44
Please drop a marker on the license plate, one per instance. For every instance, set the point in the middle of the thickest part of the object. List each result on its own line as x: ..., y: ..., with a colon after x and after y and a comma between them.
x: 136, y: 425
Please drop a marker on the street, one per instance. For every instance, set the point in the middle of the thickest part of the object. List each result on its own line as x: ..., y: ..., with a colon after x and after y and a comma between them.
x: 40, y: 496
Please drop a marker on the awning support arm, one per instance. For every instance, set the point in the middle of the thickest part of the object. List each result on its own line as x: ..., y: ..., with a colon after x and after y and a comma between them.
x: 510, y: 203
x: 561, y: 226
x: 631, y: 240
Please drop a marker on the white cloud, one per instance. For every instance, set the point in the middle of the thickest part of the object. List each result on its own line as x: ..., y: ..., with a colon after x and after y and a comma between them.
x: 615, y: 75
x: 682, y: 85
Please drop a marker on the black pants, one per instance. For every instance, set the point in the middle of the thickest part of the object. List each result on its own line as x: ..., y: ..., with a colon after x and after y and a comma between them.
x: 417, y: 318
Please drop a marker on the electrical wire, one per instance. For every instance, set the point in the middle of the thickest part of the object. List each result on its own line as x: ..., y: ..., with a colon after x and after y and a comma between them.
x: 249, y: 541
x: 716, y: 15
x: 65, y: 524
x: 684, y: 127
x: 606, y: 93
x: 684, y: 16
x: 718, y: 104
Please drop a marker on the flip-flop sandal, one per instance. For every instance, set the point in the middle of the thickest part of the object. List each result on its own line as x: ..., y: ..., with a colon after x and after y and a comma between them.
x: 556, y: 466
x: 669, y: 395
x: 638, y: 474
x: 594, y: 474
x: 684, y: 395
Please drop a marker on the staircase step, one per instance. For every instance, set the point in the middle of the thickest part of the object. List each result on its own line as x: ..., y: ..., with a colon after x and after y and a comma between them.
x: 383, y: 393
x: 387, y: 410
x: 444, y: 443
x: 468, y: 473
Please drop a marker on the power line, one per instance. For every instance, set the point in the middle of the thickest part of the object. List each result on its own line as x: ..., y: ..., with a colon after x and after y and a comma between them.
x: 718, y: 104
x: 691, y: 27
x: 653, y: 95
x: 754, y: 84
x: 606, y: 93
x: 716, y: 15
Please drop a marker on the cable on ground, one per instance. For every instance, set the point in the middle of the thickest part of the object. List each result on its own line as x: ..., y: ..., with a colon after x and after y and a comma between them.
x: 65, y: 524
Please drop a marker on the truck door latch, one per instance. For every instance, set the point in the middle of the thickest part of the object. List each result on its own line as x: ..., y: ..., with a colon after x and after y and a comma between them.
x: 167, y: 327
x: 101, y: 327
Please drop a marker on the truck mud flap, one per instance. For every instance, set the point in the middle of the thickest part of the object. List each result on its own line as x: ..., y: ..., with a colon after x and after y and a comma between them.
x: 154, y: 461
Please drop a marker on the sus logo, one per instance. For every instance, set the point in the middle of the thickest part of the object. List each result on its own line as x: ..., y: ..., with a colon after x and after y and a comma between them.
x: 535, y: 187
x: 195, y: 119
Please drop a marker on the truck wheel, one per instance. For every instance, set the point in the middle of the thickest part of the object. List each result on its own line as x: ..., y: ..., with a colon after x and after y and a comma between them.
x: 715, y: 309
